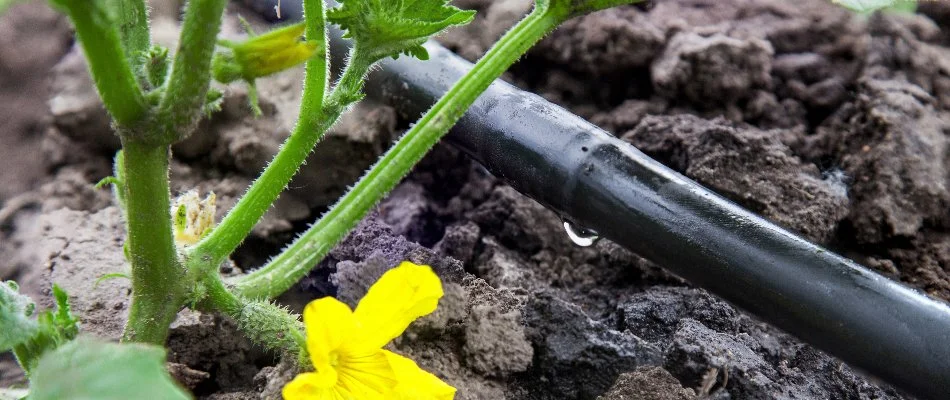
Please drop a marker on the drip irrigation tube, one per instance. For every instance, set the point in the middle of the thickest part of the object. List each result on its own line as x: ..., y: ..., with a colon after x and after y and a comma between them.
x: 602, y: 183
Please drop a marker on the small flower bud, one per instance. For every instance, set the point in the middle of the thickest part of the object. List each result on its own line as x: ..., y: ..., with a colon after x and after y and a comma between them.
x: 192, y: 218
x: 156, y: 65
x: 264, y: 55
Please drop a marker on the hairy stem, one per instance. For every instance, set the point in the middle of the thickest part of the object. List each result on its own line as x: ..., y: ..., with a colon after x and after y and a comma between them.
x: 220, y: 298
x: 184, y: 99
x: 316, y: 77
x: 133, y: 29
x: 159, y: 285
x: 265, y: 323
x: 108, y: 65
x: 311, y: 125
x: 297, y: 260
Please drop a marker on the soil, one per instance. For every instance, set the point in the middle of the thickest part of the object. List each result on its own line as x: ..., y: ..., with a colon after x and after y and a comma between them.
x: 831, y: 124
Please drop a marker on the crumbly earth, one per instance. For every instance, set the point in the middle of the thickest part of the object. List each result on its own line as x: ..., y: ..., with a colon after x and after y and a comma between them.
x: 830, y: 124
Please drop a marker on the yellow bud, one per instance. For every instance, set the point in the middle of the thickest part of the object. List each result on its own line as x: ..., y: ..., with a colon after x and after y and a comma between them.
x: 273, y: 51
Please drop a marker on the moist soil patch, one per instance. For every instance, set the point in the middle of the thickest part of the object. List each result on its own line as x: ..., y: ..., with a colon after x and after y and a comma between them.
x: 830, y: 124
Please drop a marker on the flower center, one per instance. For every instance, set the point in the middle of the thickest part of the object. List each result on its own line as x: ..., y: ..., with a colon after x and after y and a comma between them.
x: 334, y: 359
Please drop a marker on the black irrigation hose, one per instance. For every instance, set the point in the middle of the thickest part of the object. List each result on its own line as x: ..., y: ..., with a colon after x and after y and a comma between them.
x: 603, y: 183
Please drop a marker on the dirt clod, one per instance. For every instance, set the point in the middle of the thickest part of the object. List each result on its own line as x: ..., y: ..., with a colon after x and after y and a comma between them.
x: 897, y: 121
x: 495, y: 343
x: 750, y: 166
x: 575, y: 356
x: 708, y: 70
x: 186, y: 376
x: 648, y: 383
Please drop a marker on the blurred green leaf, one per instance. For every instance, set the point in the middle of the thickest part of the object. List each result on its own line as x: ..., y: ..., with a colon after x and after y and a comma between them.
x: 13, y: 394
x: 65, y: 324
x: 29, y: 334
x: 88, y: 369
x: 5, y: 4
x: 866, y: 6
x: 17, y: 324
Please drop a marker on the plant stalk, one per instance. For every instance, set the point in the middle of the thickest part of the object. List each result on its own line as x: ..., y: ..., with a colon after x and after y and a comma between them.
x: 184, y: 99
x: 311, y: 126
x: 107, y: 61
x: 134, y: 31
x: 316, y: 76
x: 219, y: 298
x: 159, y: 286
x: 265, y: 323
x: 298, y: 259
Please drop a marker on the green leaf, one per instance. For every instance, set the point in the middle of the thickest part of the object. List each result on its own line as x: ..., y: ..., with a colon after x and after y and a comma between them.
x: 5, y: 4
x: 87, y: 369
x: 13, y: 394
x: 388, y: 28
x: 865, y: 6
x: 63, y: 321
x: 109, y: 180
x: 907, y: 6
x: 48, y: 331
x: 16, y: 311
x: 110, y: 276
x: 32, y: 336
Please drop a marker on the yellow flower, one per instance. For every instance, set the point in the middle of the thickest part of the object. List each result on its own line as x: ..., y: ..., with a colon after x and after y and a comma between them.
x: 264, y: 54
x: 345, y: 346
x: 274, y: 51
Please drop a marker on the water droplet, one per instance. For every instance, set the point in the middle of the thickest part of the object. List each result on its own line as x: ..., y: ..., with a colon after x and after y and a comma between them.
x: 579, y: 235
x: 481, y: 170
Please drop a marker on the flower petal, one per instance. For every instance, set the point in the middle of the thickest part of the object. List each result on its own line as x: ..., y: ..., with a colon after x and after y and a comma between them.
x: 307, y: 386
x: 401, y: 295
x: 329, y: 324
x: 367, y: 376
x: 274, y: 51
x: 416, y: 383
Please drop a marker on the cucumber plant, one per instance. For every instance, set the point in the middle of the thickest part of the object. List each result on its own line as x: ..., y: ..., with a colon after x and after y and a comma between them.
x: 156, y: 97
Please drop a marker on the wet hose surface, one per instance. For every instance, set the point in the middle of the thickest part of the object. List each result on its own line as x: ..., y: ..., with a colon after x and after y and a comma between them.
x: 599, y: 182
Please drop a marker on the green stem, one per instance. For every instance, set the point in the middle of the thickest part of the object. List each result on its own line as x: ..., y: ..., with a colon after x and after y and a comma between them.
x: 220, y: 298
x: 159, y: 286
x: 311, y: 126
x: 133, y: 29
x: 298, y: 259
x: 263, y: 322
x: 316, y: 77
x: 184, y: 99
x: 108, y: 65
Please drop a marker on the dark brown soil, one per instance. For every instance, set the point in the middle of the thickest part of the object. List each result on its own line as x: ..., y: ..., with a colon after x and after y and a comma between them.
x: 830, y: 124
